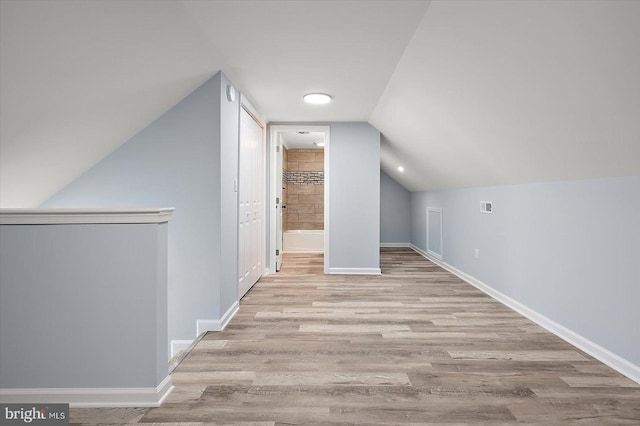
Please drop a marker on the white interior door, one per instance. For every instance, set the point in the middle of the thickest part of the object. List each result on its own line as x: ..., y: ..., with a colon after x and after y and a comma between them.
x: 279, y: 204
x: 251, y: 203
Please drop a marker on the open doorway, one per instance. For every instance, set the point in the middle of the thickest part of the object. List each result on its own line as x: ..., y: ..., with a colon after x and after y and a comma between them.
x: 300, y: 184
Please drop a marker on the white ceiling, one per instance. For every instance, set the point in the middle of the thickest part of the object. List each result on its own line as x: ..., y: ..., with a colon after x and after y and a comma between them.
x: 277, y: 51
x: 293, y: 140
x: 465, y: 93
x: 493, y: 92
x: 77, y: 79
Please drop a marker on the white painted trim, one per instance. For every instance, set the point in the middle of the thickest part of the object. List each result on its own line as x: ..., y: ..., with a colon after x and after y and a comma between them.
x: 355, y: 271
x: 272, y: 192
x: 185, y: 352
x: 604, y: 355
x: 179, y: 345
x: 395, y: 245
x: 204, y: 325
x: 252, y: 111
x: 420, y: 251
x: 92, y: 397
x: 71, y: 216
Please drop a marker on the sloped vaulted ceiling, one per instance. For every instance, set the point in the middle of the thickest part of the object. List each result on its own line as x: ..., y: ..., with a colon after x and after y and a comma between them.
x: 77, y: 79
x: 466, y: 93
x: 498, y: 92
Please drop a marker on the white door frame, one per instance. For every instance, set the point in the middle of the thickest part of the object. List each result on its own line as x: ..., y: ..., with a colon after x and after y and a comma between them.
x: 273, y: 138
x: 253, y: 112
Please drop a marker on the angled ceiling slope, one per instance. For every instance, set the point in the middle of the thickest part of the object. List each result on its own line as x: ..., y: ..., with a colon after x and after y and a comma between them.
x: 277, y: 51
x: 494, y: 92
x: 78, y: 79
x: 466, y: 94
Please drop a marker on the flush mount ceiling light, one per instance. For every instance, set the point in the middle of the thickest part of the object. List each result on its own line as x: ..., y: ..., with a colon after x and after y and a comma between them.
x: 400, y: 169
x: 303, y: 133
x: 319, y: 143
x: 317, y: 98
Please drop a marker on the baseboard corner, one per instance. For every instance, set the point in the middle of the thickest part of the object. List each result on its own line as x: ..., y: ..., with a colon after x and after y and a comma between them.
x: 204, y: 325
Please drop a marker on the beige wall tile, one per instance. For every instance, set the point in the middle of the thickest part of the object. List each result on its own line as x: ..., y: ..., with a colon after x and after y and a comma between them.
x: 311, y: 218
x: 301, y: 189
x: 301, y: 155
x: 311, y: 167
x: 301, y: 208
x: 311, y: 198
x: 305, y: 203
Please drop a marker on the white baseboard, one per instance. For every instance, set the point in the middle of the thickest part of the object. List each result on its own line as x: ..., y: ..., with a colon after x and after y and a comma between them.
x: 176, y: 362
x: 355, y: 271
x: 91, y: 397
x: 204, y: 325
x: 609, y: 358
x: 422, y: 252
x: 179, y: 345
x: 395, y: 245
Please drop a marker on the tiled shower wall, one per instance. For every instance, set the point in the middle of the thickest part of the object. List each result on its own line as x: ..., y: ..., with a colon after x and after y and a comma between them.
x: 303, y: 189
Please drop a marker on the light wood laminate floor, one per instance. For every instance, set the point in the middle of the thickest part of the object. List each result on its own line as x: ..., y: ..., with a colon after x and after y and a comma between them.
x: 413, y: 346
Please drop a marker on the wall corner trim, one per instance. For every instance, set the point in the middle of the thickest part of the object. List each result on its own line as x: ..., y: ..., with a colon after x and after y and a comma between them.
x: 355, y: 271
x: 204, y: 325
x: 603, y: 355
x: 92, y: 397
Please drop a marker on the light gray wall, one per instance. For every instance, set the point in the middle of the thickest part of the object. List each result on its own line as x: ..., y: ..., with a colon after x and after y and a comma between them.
x: 395, y: 211
x: 186, y: 159
x: 568, y: 250
x: 83, y: 305
x: 434, y: 232
x: 229, y: 152
x: 354, y: 204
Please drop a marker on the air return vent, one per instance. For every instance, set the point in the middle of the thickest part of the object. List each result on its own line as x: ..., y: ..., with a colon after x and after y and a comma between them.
x: 486, y: 207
